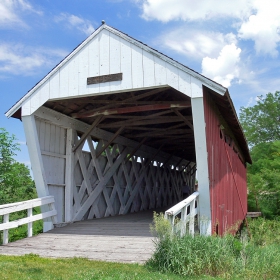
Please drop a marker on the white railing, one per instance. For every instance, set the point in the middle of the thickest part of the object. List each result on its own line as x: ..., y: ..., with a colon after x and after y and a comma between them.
x: 183, y: 215
x: 7, y: 209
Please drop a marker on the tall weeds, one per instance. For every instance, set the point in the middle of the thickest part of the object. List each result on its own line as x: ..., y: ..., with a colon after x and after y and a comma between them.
x: 225, y: 257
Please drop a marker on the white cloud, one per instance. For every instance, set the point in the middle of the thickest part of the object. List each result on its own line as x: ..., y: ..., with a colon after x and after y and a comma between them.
x: 23, y: 60
x: 263, y: 27
x: 257, y: 20
x: 10, y: 12
x: 195, y: 43
x: 166, y: 10
x: 71, y: 21
x: 225, y: 68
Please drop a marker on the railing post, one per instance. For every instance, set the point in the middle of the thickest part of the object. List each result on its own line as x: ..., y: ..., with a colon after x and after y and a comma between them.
x: 6, y: 231
x: 30, y: 225
x: 191, y: 224
x: 183, y: 221
x: 198, y: 213
x: 54, y: 218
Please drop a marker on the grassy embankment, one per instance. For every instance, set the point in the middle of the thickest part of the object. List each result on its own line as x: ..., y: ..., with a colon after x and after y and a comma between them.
x: 175, y: 258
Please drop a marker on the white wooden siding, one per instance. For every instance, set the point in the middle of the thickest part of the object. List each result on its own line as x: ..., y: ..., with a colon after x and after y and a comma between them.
x: 106, y: 54
x: 52, y: 140
x: 89, y: 61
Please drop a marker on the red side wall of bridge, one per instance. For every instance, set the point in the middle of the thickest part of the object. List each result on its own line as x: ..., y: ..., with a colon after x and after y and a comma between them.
x: 227, y: 173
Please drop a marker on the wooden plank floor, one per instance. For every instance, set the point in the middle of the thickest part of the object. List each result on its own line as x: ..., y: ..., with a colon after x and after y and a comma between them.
x: 125, y: 238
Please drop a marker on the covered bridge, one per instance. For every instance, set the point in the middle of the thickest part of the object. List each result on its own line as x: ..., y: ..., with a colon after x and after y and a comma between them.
x: 118, y: 127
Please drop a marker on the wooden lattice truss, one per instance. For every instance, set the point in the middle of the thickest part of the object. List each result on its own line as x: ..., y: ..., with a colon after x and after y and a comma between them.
x: 115, y: 183
x: 119, y: 153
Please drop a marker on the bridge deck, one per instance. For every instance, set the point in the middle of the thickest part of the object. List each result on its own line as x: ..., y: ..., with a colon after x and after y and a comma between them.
x: 125, y: 238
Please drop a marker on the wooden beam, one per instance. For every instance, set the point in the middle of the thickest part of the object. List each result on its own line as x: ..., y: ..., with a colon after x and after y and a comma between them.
x: 162, y: 133
x: 134, y: 98
x: 136, y: 149
x: 122, y: 102
x: 187, y: 122
x: 110, y: 141
x: 142, y: 122
x: 133, y: 109
x: 87, y: 133
x: 97, y: 133
x: 167, y: 160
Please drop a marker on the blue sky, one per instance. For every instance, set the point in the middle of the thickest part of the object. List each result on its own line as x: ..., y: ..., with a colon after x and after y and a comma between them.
x: 235, y: 43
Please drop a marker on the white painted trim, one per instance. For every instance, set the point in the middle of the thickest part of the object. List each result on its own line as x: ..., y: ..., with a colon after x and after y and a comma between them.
x: 207, y: 82
x: 202, y: 165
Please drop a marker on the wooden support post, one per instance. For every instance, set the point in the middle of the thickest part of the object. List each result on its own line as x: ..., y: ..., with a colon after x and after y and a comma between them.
x: 30, y: 224
x: 34, y: 150
x: 202, y: 164
x: 69, y: 175
x: 6, y: 231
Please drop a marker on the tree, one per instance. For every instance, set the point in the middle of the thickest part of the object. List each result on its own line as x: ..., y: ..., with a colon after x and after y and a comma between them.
x: 264, y: 179
x: 261, y: 122
x: 16, y: 183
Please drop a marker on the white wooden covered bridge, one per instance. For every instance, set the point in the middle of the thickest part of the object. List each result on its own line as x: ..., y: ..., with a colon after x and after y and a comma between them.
x: 118, y: 128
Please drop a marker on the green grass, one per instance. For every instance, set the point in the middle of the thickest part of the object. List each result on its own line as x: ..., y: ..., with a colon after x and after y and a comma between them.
x: 200, y: 257
x: 34, y: 267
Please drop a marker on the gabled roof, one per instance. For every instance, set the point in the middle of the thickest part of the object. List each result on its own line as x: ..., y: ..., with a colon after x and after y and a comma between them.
x: 206, y: 81
x: 220, y: 92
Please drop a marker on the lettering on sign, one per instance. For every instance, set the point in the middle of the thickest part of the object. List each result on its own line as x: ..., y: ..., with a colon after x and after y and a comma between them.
x: 104, y: 78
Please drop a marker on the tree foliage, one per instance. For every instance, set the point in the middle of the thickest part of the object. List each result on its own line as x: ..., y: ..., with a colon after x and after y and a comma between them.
x: 261, y: 122
x: 16, y: 183
x: 264, y: 179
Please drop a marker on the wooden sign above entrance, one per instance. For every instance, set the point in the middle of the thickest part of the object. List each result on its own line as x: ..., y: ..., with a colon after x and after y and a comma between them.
x: 104, y: 78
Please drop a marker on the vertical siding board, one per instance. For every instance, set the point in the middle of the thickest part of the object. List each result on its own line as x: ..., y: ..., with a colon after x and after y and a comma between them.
x: 43, y: 136
x: 52, y: 139
x: 115, y: 60
x: 172, y: 76
x: 184, y: 82
x: 126, y: 65
x: 56, y: 139
x: 63, y: 81
x: 54, y: 85
x: 148, y: 69
x: 83, y: 71
x: 160, y: 71
x: 93, y: 63
x: 104, y: 53
x: 47, y: 137
x: 225, y: 202
x: 73, y: 76
x: 137, y: 66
